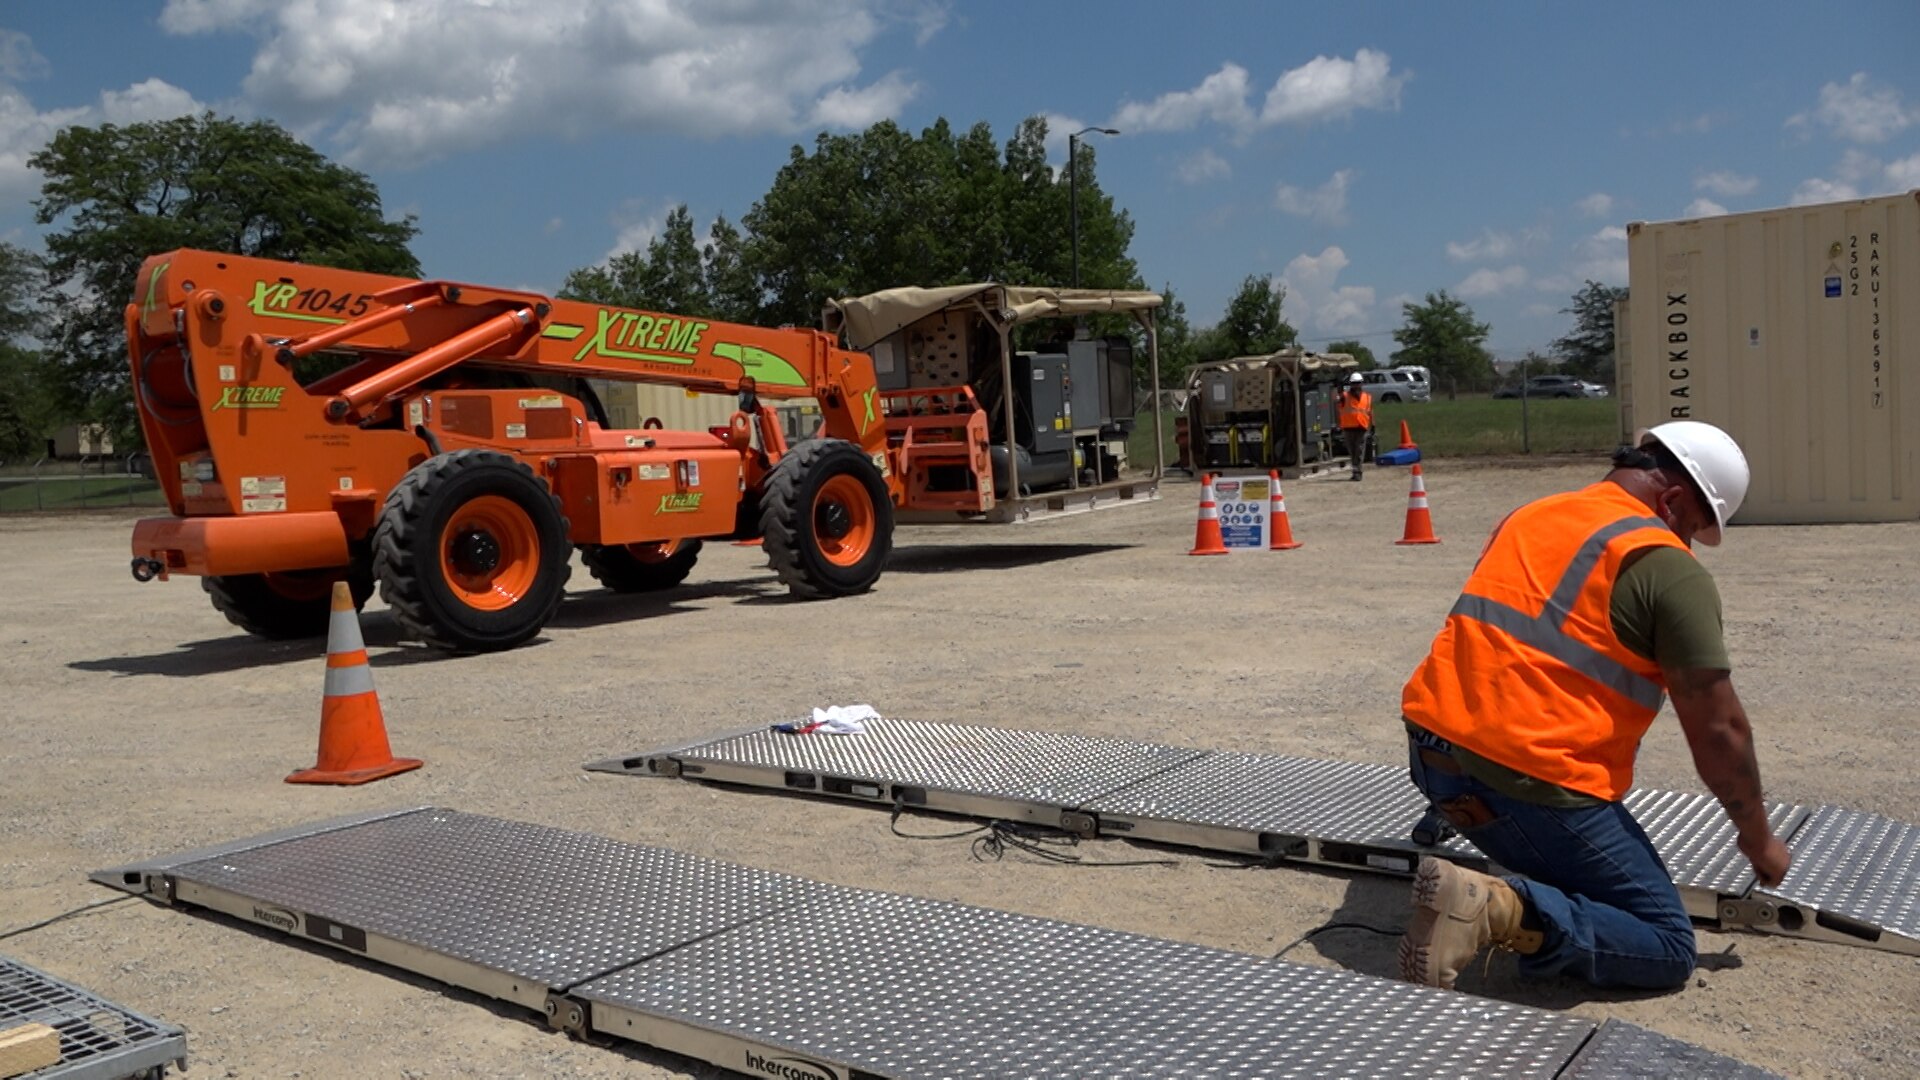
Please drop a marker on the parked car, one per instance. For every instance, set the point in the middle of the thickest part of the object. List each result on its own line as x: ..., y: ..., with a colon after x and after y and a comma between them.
x: 1553, y: 386
x: 1396, y: 385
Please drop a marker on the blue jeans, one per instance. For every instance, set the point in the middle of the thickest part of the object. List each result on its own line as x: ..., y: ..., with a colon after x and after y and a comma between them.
x: 1608, y: 910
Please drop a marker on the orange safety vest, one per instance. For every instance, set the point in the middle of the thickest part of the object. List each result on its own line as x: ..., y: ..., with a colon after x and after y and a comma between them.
x: 1527, y: 670
x: 1356, y: 412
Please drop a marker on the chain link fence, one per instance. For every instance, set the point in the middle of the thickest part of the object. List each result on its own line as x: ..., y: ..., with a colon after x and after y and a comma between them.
x: 90, y: 483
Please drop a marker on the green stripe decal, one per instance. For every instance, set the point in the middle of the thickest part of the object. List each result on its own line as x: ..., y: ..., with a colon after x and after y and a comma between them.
x: 563, y: 331
x: 764, y: 366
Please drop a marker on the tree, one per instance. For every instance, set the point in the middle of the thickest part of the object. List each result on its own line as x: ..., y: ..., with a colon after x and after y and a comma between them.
x: 1176, y: 339
x: 122, y: 193
x: 884, y: 208
x: 1252, y: 325
x: 27, y: 409
x: 1587, y: 352
x: 1357, y: 351
x: 1442, y: 336
x: 670, y: 276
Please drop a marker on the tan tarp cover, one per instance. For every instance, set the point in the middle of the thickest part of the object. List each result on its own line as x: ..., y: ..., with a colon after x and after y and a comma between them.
x: 870, y: 318
x: 1291, y: 361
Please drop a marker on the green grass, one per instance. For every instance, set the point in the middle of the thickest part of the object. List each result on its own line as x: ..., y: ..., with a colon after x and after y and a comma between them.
x: 1481, y: 426
x: 78, y: 493
x: 1475, y: 426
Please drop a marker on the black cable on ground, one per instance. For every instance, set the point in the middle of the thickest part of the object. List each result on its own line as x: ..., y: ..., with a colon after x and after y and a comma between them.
x: 992, y: 841
x: 82, y: 910
x: 1318, y: 930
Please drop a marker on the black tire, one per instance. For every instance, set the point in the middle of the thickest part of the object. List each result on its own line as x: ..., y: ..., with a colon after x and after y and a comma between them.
x: 806, y: 535
x: 472, y: 552
x: 286, y: 606
x: 624, y: 569
x: 1394, y: 398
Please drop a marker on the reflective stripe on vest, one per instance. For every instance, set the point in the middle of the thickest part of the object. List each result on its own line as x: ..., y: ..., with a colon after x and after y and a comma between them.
x: 1544, y: 631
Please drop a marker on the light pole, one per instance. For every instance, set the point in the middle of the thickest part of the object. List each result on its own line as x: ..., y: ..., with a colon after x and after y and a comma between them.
x: 1073, y: 191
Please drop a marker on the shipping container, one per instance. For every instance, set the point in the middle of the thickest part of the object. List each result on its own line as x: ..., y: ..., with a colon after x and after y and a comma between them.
x: 1798, y: 331
x: 637, y: 405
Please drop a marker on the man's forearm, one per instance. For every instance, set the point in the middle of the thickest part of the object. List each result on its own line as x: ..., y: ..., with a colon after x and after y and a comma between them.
x: 1722, y: 743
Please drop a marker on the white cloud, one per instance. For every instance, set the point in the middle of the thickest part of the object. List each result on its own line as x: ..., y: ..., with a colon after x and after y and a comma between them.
x: 1327, y: 87
x: 395, y: 83
x: 1324, y: 88
x: 1704, y: 207
x: 1326, y: 203
x: 1203, y: 166
x: 1905, y: 173
x: 1221, y: 97
x: 144, y: 102
x: 854, y: 109
x: 18, y: 58
x: 1726, y: 184
x: 1487, y: 281
x: 1818, y: 190
x: 634, y: 229
x: 1859, y: 175
x: 1602, y: 257
x: 554, y: 225
x: 1315, y: 300
x: 1488, y: 246
x: 1598, y: 204
x: 1859, y: 111
x: 25, y: 129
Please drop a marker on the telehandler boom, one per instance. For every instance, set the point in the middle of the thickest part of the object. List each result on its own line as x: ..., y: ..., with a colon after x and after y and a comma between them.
x: 312, y: 425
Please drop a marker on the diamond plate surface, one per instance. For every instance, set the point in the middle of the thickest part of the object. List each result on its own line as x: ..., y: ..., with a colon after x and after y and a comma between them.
x: 97, y: 1037
x: 1623, y: 1051
x: 1695, y: 838
x: 1042, y: 767
x: 1342, y: 801
x: 546, y: 905
x: 1860, y: 866
x: 132, y: 877
x: 910, y: 988
x: 1629, y: 1052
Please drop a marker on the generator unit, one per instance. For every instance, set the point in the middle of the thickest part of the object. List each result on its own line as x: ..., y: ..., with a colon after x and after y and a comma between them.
x: 1072, y: 413
x: 1267, y: 412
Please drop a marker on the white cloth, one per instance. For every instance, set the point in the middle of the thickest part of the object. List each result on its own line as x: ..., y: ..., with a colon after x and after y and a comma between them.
x: 842, y: 719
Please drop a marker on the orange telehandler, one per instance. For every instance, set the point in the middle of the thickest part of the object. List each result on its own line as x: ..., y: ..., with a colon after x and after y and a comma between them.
x: 312, y: 425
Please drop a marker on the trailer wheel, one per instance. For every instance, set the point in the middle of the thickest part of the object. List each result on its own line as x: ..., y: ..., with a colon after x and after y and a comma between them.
x: 472, y: 552
x: 285, y: 606
x: 637, y: 568
x: 827, y: 520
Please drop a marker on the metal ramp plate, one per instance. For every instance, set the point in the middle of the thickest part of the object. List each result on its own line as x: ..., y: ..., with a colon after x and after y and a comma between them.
x: 1855, y: 878
x: 895, y: 986
x: 1623, y: 1051
x: 98, y: 1039
x: 509, y: 910
x: 960, y: 768
x: 1338, y: 812
x: 1858, y: 875
x: 769, y: 974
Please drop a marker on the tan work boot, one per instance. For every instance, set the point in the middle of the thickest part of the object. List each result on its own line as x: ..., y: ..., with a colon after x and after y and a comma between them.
x: 1456, y: 913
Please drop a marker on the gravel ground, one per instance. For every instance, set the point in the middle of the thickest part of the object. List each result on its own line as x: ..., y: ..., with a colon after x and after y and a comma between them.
x: 138, y: 722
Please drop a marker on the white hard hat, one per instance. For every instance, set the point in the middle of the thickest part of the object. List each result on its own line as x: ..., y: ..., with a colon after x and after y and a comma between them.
x: 1714, y: 461
x: 1354, y: 378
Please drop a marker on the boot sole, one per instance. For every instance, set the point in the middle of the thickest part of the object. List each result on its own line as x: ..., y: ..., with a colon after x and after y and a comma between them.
x: 1436, y: 889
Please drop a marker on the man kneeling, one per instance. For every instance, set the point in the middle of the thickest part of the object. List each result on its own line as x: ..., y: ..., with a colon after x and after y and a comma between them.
x: 1584, y: 611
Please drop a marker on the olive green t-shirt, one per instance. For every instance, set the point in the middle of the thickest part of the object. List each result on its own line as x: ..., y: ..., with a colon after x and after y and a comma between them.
x: 1666, y: 608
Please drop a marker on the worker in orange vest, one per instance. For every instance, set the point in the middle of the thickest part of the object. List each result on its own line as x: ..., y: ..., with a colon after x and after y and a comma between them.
x: 1356, y: 420
x: 1585, y: 610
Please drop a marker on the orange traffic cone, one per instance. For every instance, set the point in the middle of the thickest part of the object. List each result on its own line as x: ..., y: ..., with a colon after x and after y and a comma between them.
x: 353, y: 737
x: 1419, y: 519
x: 1406, y: 437
x: 1206, y: 531
x: 1282, y: 531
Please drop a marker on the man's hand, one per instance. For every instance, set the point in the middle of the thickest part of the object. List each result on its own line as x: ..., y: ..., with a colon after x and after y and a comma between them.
x: 1769, y: 857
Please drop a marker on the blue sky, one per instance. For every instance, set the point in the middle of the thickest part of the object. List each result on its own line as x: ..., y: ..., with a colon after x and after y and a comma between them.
x: 1364, y: 154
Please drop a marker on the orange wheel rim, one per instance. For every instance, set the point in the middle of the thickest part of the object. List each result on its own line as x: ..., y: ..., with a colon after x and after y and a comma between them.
x: 490, y: 553
x: 843, y: 520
